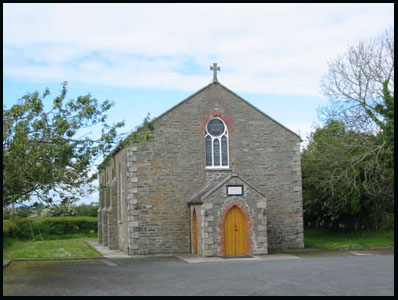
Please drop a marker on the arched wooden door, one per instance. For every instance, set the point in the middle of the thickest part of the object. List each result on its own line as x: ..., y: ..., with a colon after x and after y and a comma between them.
x: 235, y: 232
x: 194, y: 232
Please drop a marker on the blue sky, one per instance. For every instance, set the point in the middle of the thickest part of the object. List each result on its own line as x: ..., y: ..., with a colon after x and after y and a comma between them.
x: 148, y: 57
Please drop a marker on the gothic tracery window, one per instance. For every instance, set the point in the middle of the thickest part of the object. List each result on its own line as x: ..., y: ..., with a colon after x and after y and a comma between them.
x: 216, y: 144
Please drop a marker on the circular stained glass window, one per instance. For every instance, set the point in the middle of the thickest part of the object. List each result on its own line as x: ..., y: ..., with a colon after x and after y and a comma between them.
x: 215, y: 127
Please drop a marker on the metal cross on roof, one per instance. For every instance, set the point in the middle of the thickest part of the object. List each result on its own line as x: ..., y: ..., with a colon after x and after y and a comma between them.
x: 214, y: 68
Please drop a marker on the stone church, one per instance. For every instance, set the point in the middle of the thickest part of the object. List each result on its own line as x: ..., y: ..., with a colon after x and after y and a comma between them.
x: 218, y: 178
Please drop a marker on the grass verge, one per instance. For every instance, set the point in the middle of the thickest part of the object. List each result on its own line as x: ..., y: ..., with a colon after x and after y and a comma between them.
x: 56, y: 248
x: 325, y: 239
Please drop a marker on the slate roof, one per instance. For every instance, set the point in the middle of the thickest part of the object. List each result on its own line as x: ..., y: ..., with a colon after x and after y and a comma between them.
x: 208, y: 189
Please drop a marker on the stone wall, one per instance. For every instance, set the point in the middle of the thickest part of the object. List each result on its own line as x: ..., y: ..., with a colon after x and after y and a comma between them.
x: 112, y: 216
x: 105, y: 215
x: 162, y: 174
x: 253, y: 206
x: 122, y: 206
x: 261, y: 151
x: 112, y: 212
x: 99, y: 215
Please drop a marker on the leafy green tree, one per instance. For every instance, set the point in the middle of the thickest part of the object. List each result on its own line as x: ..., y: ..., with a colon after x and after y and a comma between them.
x: 347, y: 179
x: 348, y: 166
x: 387, y: 111
x: 45, y: 154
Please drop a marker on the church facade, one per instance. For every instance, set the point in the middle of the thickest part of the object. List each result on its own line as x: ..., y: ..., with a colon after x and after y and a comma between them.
x: 218, y: 178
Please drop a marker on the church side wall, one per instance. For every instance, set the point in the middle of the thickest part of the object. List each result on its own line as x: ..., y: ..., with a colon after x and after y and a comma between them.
x: 100, y: 207
x: 121, y: 205
x: 113, y: 210
x: 159, y: 215
x: 105, y: 193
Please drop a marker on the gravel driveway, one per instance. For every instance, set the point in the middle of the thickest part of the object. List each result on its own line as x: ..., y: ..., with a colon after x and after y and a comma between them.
x: 350, y: 273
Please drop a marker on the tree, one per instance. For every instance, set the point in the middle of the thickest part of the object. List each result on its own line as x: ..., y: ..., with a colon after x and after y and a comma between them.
x: 348, y: 166
x: 45, y: 153
x: 347, y: 180
x: 355, y: 83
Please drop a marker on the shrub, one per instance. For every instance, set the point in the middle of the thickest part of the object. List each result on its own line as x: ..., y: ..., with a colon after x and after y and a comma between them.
x: 87, y: 210
x: 36, y: 228
x: 61, y: 210
x: 68, y: 210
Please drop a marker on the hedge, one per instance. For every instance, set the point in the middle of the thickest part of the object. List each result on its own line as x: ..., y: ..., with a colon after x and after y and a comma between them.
x: 32, y: 228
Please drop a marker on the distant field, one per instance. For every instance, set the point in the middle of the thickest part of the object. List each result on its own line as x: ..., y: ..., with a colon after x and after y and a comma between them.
x: 320, y: 238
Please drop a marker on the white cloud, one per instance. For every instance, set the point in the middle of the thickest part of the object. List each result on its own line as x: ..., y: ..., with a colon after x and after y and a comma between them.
x: 304, y: 130
x: 264, y: 48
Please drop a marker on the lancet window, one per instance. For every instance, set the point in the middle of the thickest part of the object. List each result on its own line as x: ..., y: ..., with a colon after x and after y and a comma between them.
x: 216, y: 139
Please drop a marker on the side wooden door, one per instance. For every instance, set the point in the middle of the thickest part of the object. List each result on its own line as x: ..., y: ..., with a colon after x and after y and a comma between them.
x: 235, y: 232
x: 195, y: 232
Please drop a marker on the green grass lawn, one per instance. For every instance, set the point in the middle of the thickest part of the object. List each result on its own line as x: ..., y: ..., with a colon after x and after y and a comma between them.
x: 324, y: 239
x: 59, y: 248
x: 49, y: 237
x: 74, y: 245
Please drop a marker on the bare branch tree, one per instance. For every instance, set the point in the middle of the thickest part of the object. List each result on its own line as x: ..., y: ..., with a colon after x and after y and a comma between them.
x: 354, y: 83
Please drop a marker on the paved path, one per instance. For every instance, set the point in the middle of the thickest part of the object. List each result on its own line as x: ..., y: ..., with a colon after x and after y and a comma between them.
x: 189, y: 258
x: 311, y: 273
x: 292, y: 254
x: 105, y: 251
